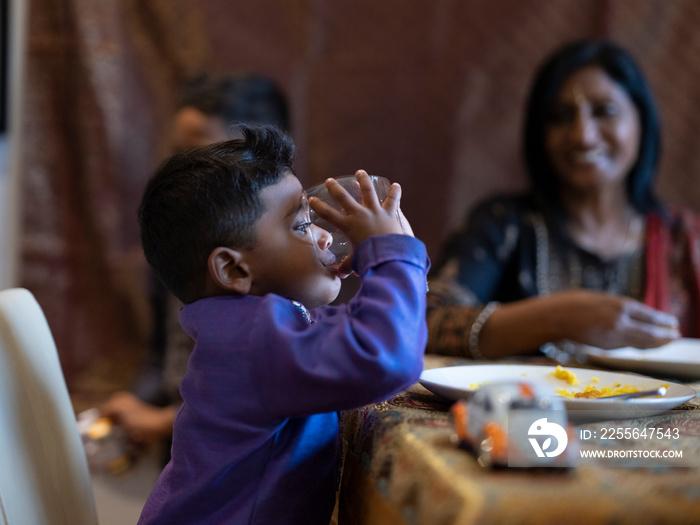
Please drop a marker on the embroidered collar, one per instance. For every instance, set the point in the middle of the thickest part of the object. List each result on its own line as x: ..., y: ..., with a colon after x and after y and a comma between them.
x: 304, y: 311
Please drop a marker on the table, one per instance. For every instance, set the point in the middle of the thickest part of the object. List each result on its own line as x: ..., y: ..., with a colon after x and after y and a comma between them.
x: 401, y: 467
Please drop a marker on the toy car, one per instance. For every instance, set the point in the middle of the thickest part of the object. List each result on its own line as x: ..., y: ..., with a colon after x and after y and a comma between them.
x: 512, y: 424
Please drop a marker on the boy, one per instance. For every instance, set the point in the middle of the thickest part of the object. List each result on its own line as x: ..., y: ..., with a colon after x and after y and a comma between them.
x: 257, y: 437
x: 209, y: 105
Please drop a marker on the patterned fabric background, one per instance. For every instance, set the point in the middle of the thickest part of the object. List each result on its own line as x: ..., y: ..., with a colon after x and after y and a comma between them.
x: 429, y: 94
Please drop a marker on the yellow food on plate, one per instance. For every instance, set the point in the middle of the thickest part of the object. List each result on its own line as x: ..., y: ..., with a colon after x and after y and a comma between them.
x: 100, y: 428
x: 475, y: 386
x: 566, y: 375
x: 591, y: 391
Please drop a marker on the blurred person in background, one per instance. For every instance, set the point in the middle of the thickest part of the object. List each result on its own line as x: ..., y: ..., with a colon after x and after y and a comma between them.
x: 590, y: 255
x: 209, y: 108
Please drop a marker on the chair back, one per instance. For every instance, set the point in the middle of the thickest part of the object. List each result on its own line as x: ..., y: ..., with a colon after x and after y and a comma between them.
x: 44, y: 477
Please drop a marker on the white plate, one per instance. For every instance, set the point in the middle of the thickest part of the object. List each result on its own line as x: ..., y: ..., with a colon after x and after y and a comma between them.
x: 453, y: 382
x: 680, y: 358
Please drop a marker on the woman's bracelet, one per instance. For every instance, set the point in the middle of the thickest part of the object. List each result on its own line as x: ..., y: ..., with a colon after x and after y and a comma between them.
x: 476, y: 327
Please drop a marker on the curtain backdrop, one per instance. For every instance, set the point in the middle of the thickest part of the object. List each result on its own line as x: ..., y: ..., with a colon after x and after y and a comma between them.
x: 429, y: 94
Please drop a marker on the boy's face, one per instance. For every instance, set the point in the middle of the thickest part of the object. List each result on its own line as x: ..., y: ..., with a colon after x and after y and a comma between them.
x: 290, y: 253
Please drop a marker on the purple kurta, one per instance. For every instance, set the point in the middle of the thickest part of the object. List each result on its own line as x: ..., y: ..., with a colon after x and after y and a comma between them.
x: 257, y: 437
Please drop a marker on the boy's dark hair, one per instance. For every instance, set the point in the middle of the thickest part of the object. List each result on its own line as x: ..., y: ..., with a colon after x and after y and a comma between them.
x: 200, y: 199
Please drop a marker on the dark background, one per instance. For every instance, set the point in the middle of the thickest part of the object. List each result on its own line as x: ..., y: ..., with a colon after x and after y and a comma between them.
x: 426, y: 93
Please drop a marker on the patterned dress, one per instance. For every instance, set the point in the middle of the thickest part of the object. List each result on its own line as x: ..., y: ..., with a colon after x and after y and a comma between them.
x: 510, y: 249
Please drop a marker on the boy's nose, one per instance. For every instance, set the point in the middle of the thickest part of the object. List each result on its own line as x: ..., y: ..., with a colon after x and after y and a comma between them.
x: 323, y: 237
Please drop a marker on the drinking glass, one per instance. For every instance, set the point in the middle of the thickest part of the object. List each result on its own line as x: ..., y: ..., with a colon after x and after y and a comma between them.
x: 341, y: 246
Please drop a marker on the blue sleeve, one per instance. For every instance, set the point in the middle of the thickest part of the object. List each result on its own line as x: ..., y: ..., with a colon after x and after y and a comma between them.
x: 355, y: 354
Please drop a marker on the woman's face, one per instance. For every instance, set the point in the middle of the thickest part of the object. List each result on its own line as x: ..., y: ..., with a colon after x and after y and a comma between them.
x: 593, y: 132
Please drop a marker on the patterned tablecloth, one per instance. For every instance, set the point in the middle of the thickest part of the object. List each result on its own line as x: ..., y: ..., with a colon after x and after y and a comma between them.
x: 401, y: 467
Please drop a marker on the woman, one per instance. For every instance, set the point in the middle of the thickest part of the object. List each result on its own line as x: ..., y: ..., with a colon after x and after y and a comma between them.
x: 589, y: 255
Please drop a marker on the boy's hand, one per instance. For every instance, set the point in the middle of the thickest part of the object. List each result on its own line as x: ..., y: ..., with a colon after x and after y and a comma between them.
x: 345, y: 267
x: 364, y: 220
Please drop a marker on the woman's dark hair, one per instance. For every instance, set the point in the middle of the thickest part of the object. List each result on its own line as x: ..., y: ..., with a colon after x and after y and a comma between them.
x: 623, y: 69
x: 247, y: 97
x: 208, y: 197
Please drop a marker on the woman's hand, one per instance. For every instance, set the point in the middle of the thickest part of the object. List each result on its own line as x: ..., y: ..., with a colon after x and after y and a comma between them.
x: 143, y: 423
x: 582, y: 316
x: 612, y: 321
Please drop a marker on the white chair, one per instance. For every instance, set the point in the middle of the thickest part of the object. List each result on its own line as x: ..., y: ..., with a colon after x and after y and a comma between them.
x: 44, y: 477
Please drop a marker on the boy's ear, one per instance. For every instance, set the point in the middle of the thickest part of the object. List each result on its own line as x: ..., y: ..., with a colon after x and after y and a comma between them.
x: 229, y: 270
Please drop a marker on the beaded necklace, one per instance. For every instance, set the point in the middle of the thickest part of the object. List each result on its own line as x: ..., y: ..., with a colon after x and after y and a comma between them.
x: 564, y: 269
